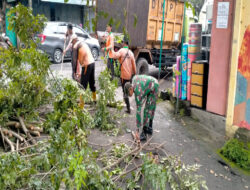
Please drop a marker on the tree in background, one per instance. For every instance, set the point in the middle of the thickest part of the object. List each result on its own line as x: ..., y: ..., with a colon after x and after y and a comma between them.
x: 197, y: 4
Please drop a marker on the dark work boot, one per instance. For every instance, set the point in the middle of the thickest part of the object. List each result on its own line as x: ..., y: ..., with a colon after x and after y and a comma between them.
x: 143, y: 136
x: 128, y: 105
x: 150, y: 127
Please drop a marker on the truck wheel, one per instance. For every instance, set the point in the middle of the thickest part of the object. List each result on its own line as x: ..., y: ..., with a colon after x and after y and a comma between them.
x: 142, y: 66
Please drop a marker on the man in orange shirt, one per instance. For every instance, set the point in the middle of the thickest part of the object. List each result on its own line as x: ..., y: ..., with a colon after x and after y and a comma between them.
x: 82, y: 56
x: 128, y: 67
x: 108, y: 49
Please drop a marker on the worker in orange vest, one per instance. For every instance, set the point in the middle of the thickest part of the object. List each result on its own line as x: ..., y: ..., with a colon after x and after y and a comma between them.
x: 109, y: 46
x: 128, y: 67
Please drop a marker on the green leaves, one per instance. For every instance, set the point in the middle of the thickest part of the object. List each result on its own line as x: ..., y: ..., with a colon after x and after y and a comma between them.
x: 155, y: 177
x: 135, y: 20
x: 25, y: 25
x: 171, y: 170
x: 189, y: 5
x: 106, y: 94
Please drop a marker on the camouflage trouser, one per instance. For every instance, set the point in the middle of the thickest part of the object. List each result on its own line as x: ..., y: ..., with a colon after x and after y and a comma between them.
x: 149, y: 110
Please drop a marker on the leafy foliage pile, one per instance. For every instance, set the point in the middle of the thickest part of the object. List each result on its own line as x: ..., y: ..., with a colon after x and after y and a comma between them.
x: 171, y: 169
x: 24, y: 71
x: 150, y: 171
x: 23, y: 74
x: 237, y: 152
x: 106, y: 97
x: 66, y: 158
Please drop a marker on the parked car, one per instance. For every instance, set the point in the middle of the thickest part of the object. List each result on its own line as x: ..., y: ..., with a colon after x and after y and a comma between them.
x: 53, y: 36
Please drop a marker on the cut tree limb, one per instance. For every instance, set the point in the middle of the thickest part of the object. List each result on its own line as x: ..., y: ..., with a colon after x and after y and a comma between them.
x: 33, y: 128
x: 14, y: 134
x: 29, y: 126
x: 25, y: 130
x: 36, y: 133
x: 13, y: 124
x: 17, y: 144
x: 31, y: 146
x: 10, y: 144
x: 136, y: 150
x: 127, y: 172
x: 38, y: 129
x: 2, y: 137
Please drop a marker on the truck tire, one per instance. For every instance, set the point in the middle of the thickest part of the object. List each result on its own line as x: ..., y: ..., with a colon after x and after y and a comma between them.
x: 142, y: 66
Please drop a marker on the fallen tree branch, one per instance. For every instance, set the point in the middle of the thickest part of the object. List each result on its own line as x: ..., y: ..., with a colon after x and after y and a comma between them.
x: 14, y: 134
x: 29, y: 126
x: 2, y: 138
x: 157, y: 147
x: 38, y: 129
x: 13, y: 123
x: 10, y: 144
x: 25, y: 130
x: 127, y: 172
x: 137, y: 150
x: 31, y: 146
x: 31, y: 155
x: 17, y: 143
x: 35, y: 122
x: 136, y: 155
x: 49, y: 171
x: 36, y: 133
x: 163, y: 151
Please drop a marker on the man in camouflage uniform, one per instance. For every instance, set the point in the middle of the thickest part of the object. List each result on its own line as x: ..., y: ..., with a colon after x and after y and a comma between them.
x: 145, y: 89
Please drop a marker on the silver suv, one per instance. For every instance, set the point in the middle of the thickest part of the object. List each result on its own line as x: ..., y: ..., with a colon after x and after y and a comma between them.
x: 53, y: 36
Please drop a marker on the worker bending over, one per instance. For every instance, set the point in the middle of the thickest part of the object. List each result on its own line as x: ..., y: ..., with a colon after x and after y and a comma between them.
x: 83, y: 56
x: 145, y: 88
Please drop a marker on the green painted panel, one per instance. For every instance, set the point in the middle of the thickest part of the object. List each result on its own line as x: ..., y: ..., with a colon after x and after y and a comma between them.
x: 9, y: 33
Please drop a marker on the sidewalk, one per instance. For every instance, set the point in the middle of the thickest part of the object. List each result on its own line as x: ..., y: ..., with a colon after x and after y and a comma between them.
x: 184, y: 136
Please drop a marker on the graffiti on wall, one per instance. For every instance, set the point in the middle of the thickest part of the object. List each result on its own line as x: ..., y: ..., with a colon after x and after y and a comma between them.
x: 242, y: 99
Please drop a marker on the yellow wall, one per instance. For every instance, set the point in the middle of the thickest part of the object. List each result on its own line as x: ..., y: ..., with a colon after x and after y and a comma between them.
x: 241, y: 21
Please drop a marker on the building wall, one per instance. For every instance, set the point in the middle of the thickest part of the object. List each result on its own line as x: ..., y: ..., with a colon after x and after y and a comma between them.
x: 238, y: 114
x: 63, y: 12
x: 220, y: 62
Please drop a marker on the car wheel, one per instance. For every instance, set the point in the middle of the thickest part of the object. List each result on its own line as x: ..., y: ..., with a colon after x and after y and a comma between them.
x: 142, y: 66
x: 95, y: 53
x: 57, y: 57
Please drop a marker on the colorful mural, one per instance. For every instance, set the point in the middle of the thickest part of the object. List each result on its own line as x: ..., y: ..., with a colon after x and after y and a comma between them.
x: 242, y: 98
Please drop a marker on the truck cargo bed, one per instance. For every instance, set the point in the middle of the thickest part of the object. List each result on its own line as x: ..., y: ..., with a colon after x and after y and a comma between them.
x: 148, y: 13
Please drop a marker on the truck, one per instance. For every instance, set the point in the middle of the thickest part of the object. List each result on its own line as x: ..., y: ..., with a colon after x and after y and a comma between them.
x: 142, y: 20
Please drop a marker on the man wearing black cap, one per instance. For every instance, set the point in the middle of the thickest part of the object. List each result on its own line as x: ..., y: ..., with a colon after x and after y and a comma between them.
x: 128, y: 67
